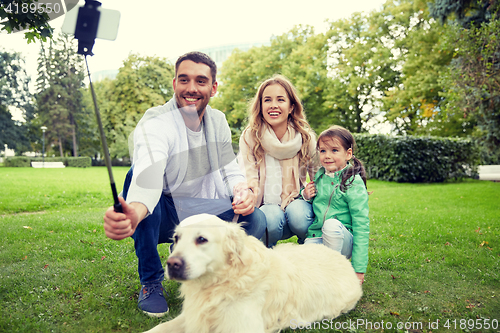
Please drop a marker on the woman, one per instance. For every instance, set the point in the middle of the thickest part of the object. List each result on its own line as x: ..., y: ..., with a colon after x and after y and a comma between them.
x: 277, y: 151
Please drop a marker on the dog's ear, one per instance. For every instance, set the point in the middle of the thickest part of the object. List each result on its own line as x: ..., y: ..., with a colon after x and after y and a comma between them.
x: 234, y: 243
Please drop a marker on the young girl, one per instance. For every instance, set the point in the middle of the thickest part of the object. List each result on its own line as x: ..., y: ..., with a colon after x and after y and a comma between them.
x: 277, y: 151
x: 340, y: 199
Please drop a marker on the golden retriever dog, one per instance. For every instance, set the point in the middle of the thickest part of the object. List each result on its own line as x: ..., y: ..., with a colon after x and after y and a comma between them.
x: 232, y: 283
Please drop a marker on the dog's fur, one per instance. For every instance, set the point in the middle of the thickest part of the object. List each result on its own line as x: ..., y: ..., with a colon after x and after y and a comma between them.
x: 231, y: 283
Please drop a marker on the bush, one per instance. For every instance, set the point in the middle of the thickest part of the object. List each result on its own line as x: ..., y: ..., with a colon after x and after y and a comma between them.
x: 24, y: 161
x: 414, y: 159
x: 17, y: 161
x: 50, y: 159
x: 114, y: 162
x: 489, y: 157
x: 79, y: 162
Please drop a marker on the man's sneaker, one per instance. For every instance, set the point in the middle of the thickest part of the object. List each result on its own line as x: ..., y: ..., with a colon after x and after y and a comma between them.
x: 151, y: 300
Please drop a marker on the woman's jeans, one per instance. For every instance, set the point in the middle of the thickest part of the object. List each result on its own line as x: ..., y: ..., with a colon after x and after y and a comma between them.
x: 159, y: 228
x: 335, y: 236
x: 295, y: 220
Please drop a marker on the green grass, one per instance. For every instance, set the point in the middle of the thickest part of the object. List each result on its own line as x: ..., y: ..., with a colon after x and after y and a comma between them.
x: 434, y: 255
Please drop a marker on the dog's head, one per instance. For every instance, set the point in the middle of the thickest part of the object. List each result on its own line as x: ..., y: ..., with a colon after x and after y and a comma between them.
x: 204, y: 244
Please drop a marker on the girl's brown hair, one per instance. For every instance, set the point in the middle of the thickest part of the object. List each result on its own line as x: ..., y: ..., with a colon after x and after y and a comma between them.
x: 346, y: 140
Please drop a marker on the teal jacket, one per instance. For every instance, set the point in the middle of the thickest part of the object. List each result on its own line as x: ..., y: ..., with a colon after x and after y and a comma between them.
x: 350, y: 208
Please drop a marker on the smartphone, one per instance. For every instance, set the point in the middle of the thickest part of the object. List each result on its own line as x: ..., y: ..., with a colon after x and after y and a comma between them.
x: 107, y: 27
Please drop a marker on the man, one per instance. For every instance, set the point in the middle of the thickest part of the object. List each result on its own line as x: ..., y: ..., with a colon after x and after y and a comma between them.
x: 183, y: 164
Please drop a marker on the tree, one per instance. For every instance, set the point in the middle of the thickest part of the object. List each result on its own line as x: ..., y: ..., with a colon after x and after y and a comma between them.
x: 473, y: 77
x: 59, y: 97
x: 141, y: 83
x: 306, y: 67
x: 361, y: 67
x: 465, y: 12
x: 411, y: 42
x: 14, y: 94
x: 12, y: 134
x: 28, y: 14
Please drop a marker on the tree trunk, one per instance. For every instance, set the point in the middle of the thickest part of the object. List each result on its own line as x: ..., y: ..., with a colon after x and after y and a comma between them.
x: 60, y: 147
x: 75, y: 147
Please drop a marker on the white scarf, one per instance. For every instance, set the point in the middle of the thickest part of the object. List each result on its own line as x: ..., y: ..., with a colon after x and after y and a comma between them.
x: 277, y: 151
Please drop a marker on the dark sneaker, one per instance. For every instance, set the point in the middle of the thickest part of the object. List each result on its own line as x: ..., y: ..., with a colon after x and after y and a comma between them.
x: 151, y: 300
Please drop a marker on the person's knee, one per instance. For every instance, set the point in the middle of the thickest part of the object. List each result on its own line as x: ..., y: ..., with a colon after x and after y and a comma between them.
x: 300, y: 215
x: 255, y: 224
x: 274, y: 217
x: 333, y: 228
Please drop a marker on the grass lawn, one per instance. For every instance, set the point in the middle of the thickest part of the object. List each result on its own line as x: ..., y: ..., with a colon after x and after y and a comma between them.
x: 434, y: 258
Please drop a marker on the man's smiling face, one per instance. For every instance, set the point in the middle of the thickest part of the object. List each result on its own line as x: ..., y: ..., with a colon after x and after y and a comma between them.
x: 193, y: 87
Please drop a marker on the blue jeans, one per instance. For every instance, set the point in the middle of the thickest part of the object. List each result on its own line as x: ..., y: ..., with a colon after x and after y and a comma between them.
x: 336, y: 236
x: 159, y: 228
x: 295, y: 220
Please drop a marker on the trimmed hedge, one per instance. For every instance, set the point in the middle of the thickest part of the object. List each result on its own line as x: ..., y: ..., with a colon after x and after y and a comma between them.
x: 80, y: 162
x: 17, y: 161
x: 24, y: 161
x: 413, y: 159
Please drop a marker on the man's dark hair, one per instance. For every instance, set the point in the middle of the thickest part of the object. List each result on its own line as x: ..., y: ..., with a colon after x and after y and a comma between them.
x: 198, y: 57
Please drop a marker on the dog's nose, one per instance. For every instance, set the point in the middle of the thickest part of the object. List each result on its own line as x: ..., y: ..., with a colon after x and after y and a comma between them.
x: 175, y: 263
x: 175, y: 267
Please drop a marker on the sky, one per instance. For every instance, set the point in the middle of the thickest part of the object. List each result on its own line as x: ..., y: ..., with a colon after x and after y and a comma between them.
x: 171, y: 28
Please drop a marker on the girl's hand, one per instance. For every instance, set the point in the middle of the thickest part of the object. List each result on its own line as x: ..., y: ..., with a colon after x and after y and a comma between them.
x: 361, y: 277
x: 309, y: 191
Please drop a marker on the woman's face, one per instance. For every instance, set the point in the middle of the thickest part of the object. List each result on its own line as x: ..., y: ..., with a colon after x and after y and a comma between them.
x: 276, y: 107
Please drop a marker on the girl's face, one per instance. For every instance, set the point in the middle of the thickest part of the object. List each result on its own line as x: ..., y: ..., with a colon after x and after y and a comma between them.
x: 276, y: 106
x: 332, y: 156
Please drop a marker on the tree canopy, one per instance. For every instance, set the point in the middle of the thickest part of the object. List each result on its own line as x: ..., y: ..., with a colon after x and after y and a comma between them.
x: 59, y: 94
x: 141, y: 83
x: 30, y: 15
x: 14, y: 94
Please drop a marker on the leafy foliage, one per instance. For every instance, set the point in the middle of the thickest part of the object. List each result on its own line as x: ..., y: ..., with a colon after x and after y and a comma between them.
x: 366, y: 69
x: 14, y: 94
x: 417, y: 159
x: 25, y: 161
x: 12, y: 134
x: 141, y: 83
x: 465, y: 12
x: 18, y: 161
x: 59, y: 98
x: 473, y: 77
x: 13, y: 18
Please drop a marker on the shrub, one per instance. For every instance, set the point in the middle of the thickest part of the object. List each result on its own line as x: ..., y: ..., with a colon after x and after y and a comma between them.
x: 417, y: 159
x: 79, y: 162
x: 114, y: 162
x: 17, y: 161
x: 49, y: 159
x: 24, y: 161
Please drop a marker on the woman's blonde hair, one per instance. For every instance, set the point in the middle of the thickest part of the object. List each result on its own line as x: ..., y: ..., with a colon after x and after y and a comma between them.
x: 297, y: 119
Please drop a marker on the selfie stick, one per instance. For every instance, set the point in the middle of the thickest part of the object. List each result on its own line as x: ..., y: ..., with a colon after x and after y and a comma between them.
x: 86, y: 32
